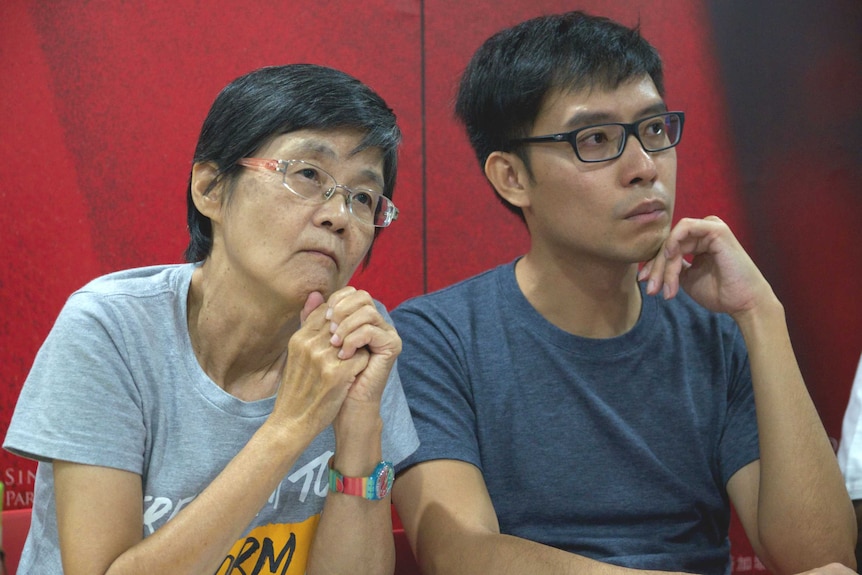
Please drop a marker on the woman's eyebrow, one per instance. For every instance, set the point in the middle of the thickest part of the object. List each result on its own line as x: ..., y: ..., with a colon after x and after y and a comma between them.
x: 320, y: 149
x: 317, y: 148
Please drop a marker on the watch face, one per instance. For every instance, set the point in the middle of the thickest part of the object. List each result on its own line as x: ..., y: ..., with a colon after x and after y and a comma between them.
x: 384, y: 479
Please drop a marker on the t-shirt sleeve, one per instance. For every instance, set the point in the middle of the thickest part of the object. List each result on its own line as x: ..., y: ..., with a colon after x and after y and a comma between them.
x: 850, y: 449
x: 435, y: 378
x: 739, y: 444
x: 80, y: 402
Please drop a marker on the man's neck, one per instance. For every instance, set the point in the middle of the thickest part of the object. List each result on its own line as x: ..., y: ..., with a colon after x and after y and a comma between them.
x: 585, y: 299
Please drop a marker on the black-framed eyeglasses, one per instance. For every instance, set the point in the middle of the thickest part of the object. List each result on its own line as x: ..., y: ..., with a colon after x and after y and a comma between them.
x: 315, y: 184
x: 603, y: 142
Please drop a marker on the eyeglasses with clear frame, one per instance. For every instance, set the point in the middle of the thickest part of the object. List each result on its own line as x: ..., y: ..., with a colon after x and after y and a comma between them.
x: 314, y: 184
x: 604, y: 142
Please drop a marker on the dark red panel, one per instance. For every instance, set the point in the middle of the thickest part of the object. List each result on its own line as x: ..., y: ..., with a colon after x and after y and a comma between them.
x: 45, y: 230
x: 797, y: 125
x: 133, y: 96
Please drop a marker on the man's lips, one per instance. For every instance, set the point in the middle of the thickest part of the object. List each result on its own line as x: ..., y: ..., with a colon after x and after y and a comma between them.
x: 647, y: 210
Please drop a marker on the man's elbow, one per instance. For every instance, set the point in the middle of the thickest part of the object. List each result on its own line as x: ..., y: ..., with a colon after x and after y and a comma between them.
x: 812, y: 554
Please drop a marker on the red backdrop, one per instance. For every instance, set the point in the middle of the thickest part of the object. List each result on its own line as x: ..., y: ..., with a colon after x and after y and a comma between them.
x: 101, y: 103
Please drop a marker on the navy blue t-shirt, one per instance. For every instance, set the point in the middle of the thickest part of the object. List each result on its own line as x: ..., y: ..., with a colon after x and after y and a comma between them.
x: 615, y: 449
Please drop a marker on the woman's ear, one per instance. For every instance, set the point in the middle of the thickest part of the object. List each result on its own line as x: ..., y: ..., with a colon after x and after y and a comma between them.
x: 508, y: 174
x: 206, y: 196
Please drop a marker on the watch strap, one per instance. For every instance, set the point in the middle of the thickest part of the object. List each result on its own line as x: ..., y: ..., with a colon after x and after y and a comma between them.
x: 373, y: 487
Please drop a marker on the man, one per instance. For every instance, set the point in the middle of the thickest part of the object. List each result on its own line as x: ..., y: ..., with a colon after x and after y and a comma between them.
x: 578, y: 413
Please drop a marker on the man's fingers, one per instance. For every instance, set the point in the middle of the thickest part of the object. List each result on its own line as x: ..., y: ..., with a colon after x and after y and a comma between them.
x: 689, y: 237
x: 693, y: 236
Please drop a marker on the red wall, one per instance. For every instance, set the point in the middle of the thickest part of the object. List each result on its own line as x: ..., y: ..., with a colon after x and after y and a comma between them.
x: 101, y: 103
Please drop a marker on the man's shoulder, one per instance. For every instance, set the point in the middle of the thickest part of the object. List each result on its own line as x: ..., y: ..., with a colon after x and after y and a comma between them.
x: 683, y: 306
x: 462, y: 295
x: 682, y: 317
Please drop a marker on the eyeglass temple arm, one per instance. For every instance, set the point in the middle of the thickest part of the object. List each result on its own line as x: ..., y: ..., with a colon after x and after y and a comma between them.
x: 259, y: 163
x: 549, y: 138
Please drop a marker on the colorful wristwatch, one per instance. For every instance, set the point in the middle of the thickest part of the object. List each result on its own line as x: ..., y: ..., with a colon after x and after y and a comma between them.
x: 374, y: 487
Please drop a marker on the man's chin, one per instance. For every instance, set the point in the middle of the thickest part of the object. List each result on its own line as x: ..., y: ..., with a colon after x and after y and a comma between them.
x: 652, y: 249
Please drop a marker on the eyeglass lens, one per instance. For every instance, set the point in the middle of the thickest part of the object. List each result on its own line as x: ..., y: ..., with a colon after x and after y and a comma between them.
x: 313, y: 183
x: 607, y: 141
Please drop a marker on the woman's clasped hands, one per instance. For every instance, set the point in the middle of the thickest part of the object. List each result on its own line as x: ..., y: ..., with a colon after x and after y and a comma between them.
x: 338, y: 361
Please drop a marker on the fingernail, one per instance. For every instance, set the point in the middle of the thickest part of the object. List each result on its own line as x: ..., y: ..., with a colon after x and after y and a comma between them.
x: 651, y: 287
x: 335, y: 340
x: 666, y: 291
x: 332, y: 327
x: 642, y: 274
x: 328, y: 313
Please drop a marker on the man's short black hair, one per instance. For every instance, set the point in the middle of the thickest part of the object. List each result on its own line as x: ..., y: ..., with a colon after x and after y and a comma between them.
x: 506, y: 82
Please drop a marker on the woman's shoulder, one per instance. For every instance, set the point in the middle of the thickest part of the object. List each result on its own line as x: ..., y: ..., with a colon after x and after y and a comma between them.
x: 139, y: 292
x: 141, y: 280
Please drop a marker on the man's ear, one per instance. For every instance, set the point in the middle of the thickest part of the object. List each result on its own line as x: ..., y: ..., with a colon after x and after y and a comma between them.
x: 508, y: 174
x: 206, y: 196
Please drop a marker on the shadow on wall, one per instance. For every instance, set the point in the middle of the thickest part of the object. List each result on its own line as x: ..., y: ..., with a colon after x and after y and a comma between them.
x: 793, y: 74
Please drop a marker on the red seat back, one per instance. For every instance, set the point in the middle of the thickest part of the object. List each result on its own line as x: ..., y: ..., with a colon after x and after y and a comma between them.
x: 16, y: 524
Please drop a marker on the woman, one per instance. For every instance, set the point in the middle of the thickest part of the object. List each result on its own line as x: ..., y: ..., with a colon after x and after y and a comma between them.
x: 239, y: 413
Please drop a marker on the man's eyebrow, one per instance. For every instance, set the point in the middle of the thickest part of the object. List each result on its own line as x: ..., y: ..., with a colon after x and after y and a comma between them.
x: 589, y: 118
x: 657, y: 108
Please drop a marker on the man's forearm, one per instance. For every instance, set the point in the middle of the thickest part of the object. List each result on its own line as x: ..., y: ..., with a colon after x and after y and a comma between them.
x: 509, y: 555
x: 805, y: 518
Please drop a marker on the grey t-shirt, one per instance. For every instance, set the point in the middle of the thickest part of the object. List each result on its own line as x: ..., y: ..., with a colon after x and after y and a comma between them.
x: 617, y: 449
x: 116, y: 384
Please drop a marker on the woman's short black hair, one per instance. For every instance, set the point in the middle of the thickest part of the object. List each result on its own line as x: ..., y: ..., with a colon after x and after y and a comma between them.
x: 275, y: 100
